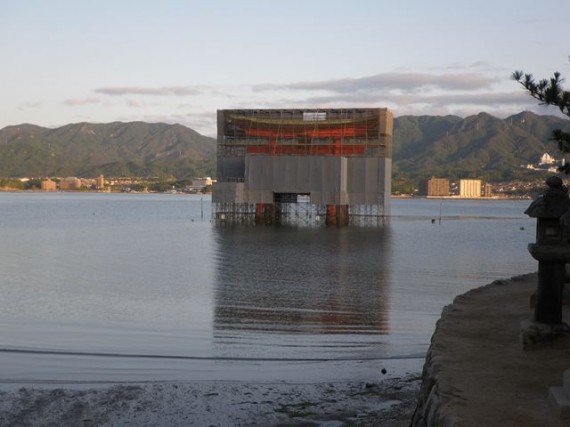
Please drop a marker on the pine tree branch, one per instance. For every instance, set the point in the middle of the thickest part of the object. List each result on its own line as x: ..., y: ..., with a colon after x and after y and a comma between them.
x: 549, y: 92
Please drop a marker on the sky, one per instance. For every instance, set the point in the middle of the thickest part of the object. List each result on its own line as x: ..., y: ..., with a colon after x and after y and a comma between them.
x: 178, y: 61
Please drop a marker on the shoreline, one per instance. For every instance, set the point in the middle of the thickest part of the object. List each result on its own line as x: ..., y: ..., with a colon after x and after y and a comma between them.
x: 387, y: 402
x: 392, y: 196
x: 328, y: 394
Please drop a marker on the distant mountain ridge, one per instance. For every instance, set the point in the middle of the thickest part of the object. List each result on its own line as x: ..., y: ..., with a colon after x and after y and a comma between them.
x: 479, y: 146
x: 113, y: 149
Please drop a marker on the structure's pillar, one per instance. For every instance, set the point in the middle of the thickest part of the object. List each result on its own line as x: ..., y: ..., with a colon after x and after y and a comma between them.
x: 342, y: 215
x: 273, y: 146
x: 278, y: 213
x: 264, y: 213
x: 337, y: 147
x: 337, y: 215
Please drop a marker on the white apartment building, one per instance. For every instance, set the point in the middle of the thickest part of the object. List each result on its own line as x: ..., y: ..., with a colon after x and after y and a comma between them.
x: 469, y: 188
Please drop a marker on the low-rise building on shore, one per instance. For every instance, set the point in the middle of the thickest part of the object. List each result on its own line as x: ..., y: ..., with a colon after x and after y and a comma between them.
x: 48, y: 185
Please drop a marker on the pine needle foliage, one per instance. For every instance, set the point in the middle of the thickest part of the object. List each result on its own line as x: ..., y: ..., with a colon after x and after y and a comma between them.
x: 550, y: 92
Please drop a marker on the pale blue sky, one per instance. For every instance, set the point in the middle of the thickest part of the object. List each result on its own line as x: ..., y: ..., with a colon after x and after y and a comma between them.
x: 174, y: 61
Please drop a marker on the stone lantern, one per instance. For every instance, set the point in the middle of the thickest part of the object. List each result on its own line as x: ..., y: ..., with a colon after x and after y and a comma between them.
x: 551, y: 250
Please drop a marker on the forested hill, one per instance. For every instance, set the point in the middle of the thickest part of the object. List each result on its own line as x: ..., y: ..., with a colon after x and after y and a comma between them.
x: 112, y: 149
x: 480, y: 146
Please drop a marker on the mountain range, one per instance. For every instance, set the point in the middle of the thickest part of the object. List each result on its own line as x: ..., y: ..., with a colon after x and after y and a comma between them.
x: 112, y: 149
x: 479, y: 146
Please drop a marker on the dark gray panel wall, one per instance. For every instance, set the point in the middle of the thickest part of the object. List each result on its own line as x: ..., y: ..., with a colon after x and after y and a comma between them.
x: 328, y: 179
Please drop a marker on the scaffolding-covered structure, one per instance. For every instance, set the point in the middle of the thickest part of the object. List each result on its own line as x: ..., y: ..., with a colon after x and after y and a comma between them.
x: 303, y: 166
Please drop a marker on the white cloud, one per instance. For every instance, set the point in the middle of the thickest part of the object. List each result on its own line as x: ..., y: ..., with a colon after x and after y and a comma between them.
x: 479, y: 99
x: 406, y: 82
x: 151, y: 91
x: 81, y: 101
x: 404, y: 93
x: 134, y: 103
x: 423, y: 93
x: 29, y: 105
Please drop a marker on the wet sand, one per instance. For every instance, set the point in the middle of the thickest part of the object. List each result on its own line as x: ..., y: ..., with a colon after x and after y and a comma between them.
x: 387, y: 402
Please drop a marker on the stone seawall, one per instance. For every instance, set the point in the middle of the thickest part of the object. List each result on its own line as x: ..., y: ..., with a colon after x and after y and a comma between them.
x: 476, y: 373
x: 429, y: 411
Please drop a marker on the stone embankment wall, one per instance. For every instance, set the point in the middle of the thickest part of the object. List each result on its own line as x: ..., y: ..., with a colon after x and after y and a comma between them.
x: 476, y: 372
x: 429, y: 411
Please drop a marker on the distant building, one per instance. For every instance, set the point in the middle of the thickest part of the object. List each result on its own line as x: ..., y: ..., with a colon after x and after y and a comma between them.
x: 546, y: 159
x: 545, y: 163
x: 469, y: 188
x: 70, y: 183
x: 100, y: 182
x: 48, y: 185
x: 435, y: 187
x: 198, y: 184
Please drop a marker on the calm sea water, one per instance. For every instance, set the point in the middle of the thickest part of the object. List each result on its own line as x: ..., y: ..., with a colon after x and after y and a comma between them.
x: 114, y: 287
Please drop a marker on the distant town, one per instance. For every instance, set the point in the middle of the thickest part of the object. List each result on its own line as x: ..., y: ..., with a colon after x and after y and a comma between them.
x: 434, y: 187
x: 477, y: 188
x: 437, y: 187
x: 102, y: 184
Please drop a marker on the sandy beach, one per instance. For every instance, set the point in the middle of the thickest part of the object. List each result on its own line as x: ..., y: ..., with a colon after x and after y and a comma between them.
x: 387, y: 402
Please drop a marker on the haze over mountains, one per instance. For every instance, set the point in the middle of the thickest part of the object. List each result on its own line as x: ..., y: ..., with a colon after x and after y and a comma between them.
x: 480, y: 146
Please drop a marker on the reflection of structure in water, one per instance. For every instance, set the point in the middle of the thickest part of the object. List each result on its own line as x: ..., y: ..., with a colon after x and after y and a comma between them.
x: 296, y: 166
x: 304, y: 281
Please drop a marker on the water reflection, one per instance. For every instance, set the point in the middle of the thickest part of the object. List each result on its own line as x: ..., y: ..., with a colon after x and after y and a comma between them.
x: 302, y: 281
